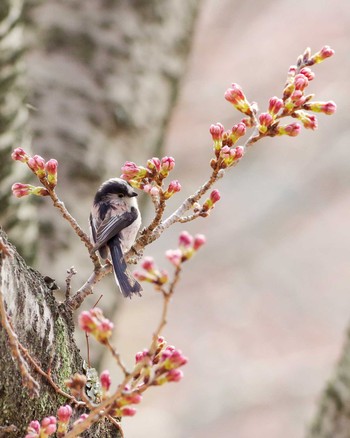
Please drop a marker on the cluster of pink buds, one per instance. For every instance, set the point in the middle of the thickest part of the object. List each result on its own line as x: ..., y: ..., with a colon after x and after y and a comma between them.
x: 150, y: 178
x: 47, y: 427
x: 64, y: 414
x: 45, y: 171
x: 162, y: 366
x: 93, y: 322
x: 295, y: 102
x: 122, y: 408
x: 226, y: 153
x: 188, y: 246
x: 151, y: 273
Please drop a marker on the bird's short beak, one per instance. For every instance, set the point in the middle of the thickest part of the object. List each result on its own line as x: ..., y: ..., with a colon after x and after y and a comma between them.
x: 134, y: 194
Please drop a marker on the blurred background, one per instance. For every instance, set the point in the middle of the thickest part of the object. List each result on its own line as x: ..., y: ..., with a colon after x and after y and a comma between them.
x: 262, y: 309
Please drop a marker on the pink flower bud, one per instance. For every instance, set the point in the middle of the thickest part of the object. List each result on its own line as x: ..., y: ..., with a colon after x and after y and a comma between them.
x: 239, y: 152
x: 309, y: 121
x: 275, y: 105
x: 174, y: 186
x: 154, y: 164
x: 265, y: 120
x: 35, y: 426
x: 301, y: 82
x: 235, y: 96
x: 94, y: 322
x: 51, y: 169
x: 215, y: 196
x: 328, y: 108
x: 64, y: 413
x: 237, y: 132
x: 19, y: 154
x: 141, y: 355
x: 174, y: 256
x: 37, y: 165
x: 320, y: 56
x: 174, y: 375
x: 148, y: 264
x: 292, y: 130
x: 80, y: 419
x: 128, y: 412
x: 199, y: 240
x: 19, y: 189
x: 216, y: 131
x: 306, y: 71
x: 185, y: 239
x: 105, y: 380
x: 167, y: 164
x: 48, y: 425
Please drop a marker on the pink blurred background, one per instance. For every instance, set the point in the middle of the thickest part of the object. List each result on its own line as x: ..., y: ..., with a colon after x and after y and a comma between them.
x: 262, y: 309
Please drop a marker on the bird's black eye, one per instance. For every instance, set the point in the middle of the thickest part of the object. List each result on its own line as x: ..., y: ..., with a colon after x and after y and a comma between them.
x: 120, y: 195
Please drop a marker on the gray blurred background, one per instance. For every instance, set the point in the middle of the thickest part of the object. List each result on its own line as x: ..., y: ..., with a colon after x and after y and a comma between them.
x: 261, y: 310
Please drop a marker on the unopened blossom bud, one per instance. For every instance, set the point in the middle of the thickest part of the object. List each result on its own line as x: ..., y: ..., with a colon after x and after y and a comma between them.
x: 292, y: 130
x: 236, y: 96
x: 141, y: 355
x: 216, y: 131
x: 37, y: 164
x: 105, y: 379
x: 131, y: 170
x: 174, y: 375
x: 237, y: 132
x: 301, y: 82
x: 19, y: 190
x: 94, y: 322
x: 48, y: 426
x: 64, y: 413
x: 309, y: 121
x: 174, y: 256
x: 19, y: 154
x: 174, y: 187
x: 167, y: 164
x: 199, y: 240
x: 306, y: 71
x: 275, y: 105
x: 265, y: 120
x: 185, y: 239
x: 154, y: 164
x: 148, y: 264
x: 320, y: 56
x: 133, y: 398
x: 297, y: 99
x: 328, y: 108
x: 33, y: 429
x: 51, y: 169
x: 210, y: 202
x: 127, y: 412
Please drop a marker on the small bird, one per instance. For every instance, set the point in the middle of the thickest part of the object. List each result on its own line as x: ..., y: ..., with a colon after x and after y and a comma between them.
x: 114, y: 221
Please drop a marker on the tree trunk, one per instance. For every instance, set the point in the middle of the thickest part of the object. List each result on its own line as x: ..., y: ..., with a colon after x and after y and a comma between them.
x: 46, y: 330
x: 332, y: 419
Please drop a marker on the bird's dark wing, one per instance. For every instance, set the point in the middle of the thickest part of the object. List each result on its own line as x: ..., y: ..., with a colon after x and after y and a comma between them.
x: 111, y: 226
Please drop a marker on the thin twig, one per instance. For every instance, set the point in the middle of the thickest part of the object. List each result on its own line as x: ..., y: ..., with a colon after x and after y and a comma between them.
x: 71, y: 272
x: 48, y: 377
x: 28, y: 381
x: 116, y: 356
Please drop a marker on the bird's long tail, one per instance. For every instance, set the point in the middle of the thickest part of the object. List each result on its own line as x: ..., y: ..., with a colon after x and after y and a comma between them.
x: 127, y: 283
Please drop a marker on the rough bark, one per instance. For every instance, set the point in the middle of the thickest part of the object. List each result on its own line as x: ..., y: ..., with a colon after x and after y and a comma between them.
x: 103, y: 77
x: 332, y: 419
x: 46, y: 330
